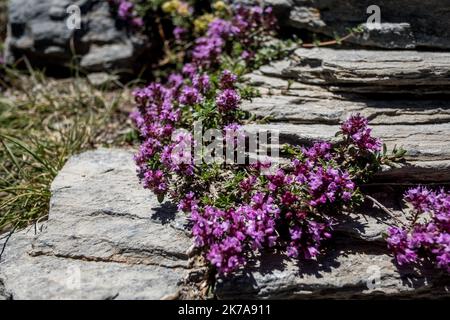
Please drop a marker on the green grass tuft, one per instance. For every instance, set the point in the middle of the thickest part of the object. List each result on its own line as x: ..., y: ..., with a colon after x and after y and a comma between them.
x: 42, y: 123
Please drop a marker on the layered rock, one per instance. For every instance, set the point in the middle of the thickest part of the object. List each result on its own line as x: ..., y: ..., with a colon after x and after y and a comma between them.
x: 39, y: 30
x: 404, y: 94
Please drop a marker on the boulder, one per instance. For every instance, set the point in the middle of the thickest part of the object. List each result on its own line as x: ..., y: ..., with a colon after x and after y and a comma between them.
x: 41, y: 33
x: 404, y: 24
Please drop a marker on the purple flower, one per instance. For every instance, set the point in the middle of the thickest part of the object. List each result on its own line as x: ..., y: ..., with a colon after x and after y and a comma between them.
x: 328, y: 185
x: 156, y: 181
x: 421, y: 198
x: 220, y: 28
x: 428, y: 236
x: 190, y: 96
x: 189, y: 70
x: 201, y: 83
x: 306, y: 237
x: 247, y: 184
x: 178, y: 33
x: 276, y: 181
x: 355, y: 128
x: 228, y: 100
x: 125, y: 9
x: 175, y: 80
x: 189, y: 203
x: 148, y: 149
x: 207, y: 50
x: 177, y: 157
x: 227, y: 80
x: 320, y: 150
x: 137, y: 22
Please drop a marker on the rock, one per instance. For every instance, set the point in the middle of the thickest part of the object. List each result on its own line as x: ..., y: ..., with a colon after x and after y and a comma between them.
x: 404, y: 24
x: 301, y: 103
x: 40, y: 32
x: 102, y: 224
x: 307, y: 96
x: 428, y: 157
x: 365, y: 71
x: 102, y: 79
x: 345, y: 272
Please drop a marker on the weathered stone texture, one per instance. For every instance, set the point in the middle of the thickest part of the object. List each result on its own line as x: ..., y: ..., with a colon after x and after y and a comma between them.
x: 106, y: 238
x: 39, y: 31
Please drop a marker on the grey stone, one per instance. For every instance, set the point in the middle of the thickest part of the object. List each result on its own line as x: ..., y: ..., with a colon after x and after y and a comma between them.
x: 386, y: 35
x: 365, y: 71
x: 307, y: 96
x: 427, y: 146
x: 297, y: 102
x: 106, y: 238
x: 346, y: 271
x: 405, y: 24
x: 40, y: 32
x: 102, y: 79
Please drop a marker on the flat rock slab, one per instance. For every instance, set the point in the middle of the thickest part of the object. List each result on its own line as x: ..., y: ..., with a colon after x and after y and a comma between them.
x: 366, y: 71
x: 295, y: 102
x: 106, y: 238
x: 346, y: 271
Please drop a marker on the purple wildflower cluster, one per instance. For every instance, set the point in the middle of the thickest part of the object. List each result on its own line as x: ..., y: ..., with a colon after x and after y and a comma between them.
x: 292, y: 209
x: 243, y: 27
x: 166, y: 151
x: 428, y: 236
x: 228, y: 100
x: 126, y: 11
x: 357, y: 131
x: 155, y: 119
x: 228, y: 234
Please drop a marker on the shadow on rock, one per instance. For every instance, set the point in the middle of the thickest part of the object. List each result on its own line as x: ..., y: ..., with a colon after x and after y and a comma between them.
x: 165, y: 213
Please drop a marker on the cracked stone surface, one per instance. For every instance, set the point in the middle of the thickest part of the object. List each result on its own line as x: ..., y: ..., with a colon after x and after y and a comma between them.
x: 106, y: 238
x: 345, y: 271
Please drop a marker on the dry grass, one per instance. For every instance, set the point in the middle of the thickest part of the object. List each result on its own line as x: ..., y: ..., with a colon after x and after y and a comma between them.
x: 42, y: 123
